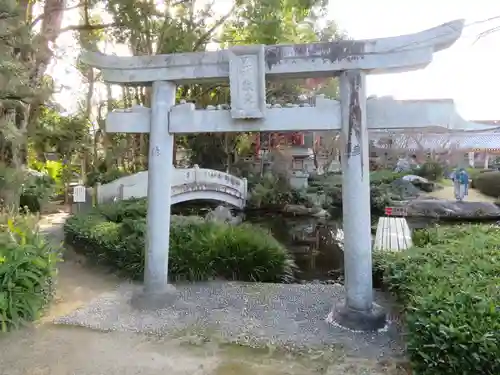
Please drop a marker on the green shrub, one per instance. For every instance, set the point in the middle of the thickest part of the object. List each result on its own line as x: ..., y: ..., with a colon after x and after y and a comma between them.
x: 32, y: 188
x: 381, y: 191
x: 431, y: 170
x: 474, y: 173
x: 270, y: 191
x: 27, y: 268
x: 426, y: 236
x: 449, y: 287
x: 386, y: 176
x: 380, y: 198
x: 36, y: 191
x: 488, y: 183
x: 129, y: 209
x: 10, y: 185
x: 105, y: 177
x: 199, y: 249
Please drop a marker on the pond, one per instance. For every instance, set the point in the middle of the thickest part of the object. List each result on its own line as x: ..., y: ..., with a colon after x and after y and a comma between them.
x: 316, y: 244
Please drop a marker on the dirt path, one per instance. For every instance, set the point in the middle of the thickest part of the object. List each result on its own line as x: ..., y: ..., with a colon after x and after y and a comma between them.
x: 474, y: 196
x: 46, y: 349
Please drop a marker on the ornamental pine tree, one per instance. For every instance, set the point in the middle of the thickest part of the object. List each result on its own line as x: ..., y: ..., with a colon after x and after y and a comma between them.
x: 15, y: 94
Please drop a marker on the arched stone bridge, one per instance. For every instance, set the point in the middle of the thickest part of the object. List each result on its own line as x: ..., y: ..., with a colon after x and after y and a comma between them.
x: 188, y: 184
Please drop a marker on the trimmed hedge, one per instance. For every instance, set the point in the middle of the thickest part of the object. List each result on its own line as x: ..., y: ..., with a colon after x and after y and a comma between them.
x: 114, y: 235
x: 380, y: 189
x: 27, y: 271
x: 449, y: 286
x: 488, y: 183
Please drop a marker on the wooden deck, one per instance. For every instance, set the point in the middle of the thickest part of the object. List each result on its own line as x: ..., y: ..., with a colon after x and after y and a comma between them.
x: 392, y: 234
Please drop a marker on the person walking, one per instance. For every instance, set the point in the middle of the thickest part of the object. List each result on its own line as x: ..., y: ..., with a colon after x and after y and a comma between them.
x: 461, y: 184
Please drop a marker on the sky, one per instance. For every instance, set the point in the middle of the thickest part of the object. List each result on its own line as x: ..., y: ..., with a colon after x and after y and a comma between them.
x: 468, y: 72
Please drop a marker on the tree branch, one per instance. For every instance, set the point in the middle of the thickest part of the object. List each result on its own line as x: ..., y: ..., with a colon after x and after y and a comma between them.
x: 88, y: 27
x: 6, y: 16
x: 14, y: 98
x: 43, y: 15
x: 204, y: 38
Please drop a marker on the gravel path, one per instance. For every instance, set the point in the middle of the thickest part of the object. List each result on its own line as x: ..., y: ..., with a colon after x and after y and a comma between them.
x: 448, y: 193
x: 253, y: 314
x: 46, y: 348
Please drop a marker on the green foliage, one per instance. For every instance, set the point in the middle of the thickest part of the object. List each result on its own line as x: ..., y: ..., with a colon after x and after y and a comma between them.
x: 448, y: 285
x: 33, y: 189
x: 53, y: 169
x: 272, y: 22
x: 114, y: 235
x: 36, y: 191
x: 381, y: 191
x: 11, y: 182
x: 27, y: 268
x: 380, y: 198
x: 386, y: 176
x: 14, y: 71
x: 105, y: 177
x: 61, y: 134
x: 431, y: 170
x: 474, y: 173
x: 423, y: 237
x: 271, y: 191
x: 380, y: 177
x: 488, y: 183
x: 122, y: 210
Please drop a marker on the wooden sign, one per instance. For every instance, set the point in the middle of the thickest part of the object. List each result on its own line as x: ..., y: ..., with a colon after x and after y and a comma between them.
x: 79, y: 194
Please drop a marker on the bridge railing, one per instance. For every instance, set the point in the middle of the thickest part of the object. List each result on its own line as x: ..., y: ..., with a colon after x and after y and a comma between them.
x: 136, y: 185
x: 210, y: 176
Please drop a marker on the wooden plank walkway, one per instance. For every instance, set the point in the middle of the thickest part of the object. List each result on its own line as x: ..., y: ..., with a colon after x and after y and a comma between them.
x: 392, y: 234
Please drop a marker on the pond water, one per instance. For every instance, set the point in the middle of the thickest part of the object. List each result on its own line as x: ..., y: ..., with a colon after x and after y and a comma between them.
x: 316, y: 244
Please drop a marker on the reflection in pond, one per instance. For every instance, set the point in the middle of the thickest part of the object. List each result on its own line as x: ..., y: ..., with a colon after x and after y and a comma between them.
x: 316, y: 244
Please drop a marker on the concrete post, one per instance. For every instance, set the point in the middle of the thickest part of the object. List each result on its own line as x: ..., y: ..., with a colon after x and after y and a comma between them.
x: 359, y: 311
x: 471, y: 159
x: 157, y: 291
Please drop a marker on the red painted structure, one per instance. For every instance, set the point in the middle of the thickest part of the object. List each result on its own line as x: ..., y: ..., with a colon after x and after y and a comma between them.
x: 266, y: 141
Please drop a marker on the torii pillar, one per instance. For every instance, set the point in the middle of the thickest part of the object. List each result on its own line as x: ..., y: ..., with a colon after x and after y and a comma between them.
x: 246, y: 68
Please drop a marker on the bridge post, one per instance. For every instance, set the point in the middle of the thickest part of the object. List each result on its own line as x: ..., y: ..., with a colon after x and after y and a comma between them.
x: 245, y: 191
x: 157, y: 291
x: 359, y: 310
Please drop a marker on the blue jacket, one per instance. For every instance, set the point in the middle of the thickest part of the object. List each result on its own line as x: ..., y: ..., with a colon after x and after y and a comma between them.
x: 462, y: 177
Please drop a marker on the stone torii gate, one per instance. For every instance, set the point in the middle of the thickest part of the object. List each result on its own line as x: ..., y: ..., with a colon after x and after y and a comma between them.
x: 247, y: 68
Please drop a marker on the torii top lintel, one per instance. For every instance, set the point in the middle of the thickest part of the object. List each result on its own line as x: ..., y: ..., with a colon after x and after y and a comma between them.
x: 383, y: 55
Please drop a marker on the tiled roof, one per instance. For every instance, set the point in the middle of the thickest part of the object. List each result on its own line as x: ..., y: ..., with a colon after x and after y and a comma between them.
x: 438, y: 141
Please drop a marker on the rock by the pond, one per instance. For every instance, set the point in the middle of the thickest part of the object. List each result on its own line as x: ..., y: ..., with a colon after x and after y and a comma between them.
x: 403, y: 190
x: 300, y: 210
x: 420, y: 182
x: 414, y: 177
x: 440, y: 208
